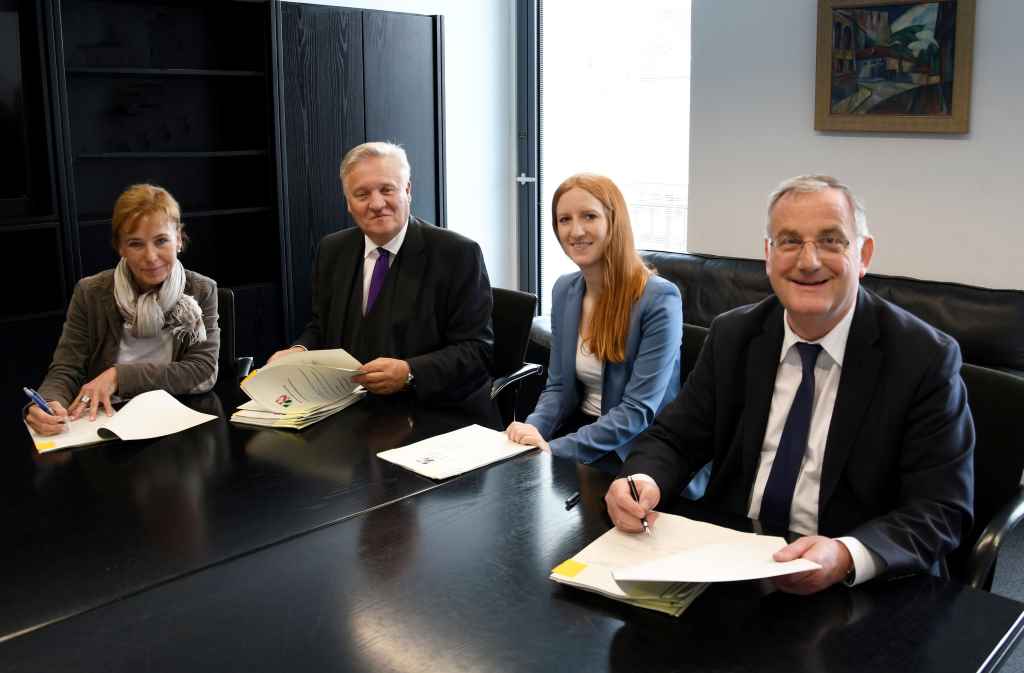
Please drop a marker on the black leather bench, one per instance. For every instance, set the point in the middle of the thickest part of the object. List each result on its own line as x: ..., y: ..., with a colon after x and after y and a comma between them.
x: 988, y: 324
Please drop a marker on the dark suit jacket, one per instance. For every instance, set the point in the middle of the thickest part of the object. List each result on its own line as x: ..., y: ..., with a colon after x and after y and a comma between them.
x: 898, y: 471
x: 440, y: 308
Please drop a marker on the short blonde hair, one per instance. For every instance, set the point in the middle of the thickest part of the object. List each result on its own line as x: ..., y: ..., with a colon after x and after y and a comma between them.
x: 143, y: 200
x: 375, y: 150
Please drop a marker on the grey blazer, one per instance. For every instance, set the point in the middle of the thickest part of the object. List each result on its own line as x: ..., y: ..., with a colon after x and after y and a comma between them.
x: 92, y: 333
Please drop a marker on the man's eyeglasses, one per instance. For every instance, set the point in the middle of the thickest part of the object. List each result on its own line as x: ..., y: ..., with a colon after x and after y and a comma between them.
x: 826, y: 244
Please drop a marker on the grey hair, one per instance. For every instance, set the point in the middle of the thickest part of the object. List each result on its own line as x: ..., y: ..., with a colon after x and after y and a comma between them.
x: 375, y: 150
x: 805, y: 184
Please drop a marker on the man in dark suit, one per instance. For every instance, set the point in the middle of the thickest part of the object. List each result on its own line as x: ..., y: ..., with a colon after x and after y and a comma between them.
x: 410, y: 300
x: 825, y: 409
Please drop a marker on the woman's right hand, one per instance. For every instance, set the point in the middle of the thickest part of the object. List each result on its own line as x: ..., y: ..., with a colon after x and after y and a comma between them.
x: 45, y: 424
x: 524, y: 433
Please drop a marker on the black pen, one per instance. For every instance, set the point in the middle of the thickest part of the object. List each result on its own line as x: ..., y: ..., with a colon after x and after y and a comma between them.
x: 636, y: 497
x: 571, y: 501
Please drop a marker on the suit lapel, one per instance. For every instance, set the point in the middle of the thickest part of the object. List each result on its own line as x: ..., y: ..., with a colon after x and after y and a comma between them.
x: 412, y: 260
x: 114, y: 323
x: 762, y: 367
x: 571, y: 333
x: 345, y: 274
x: 862, y: 363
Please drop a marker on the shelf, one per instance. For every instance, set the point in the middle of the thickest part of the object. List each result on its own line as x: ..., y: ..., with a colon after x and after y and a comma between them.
x: 56, y: 313
x: 28, y: 224
x: 171, y: 155
x: 164, y: 72
x: 189, y: 215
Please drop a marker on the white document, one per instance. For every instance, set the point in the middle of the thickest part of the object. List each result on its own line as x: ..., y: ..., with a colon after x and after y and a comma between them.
x: 303, y: 381
x: 745, y: 558
x: 455, y: 452
x: 152, y: 414
x: 338, y: 358
x: 668, y: 570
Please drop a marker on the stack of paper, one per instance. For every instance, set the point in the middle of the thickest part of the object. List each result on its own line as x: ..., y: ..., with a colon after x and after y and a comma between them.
x: 455, y: 452
x: 668, y: 570
x: 152, y: 414
x: 300, y: 389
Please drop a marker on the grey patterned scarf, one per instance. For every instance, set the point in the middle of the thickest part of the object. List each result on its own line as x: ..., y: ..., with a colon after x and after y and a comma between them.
x: 148, y: 313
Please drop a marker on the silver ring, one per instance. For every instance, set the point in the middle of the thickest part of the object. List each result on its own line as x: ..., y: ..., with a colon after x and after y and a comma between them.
x: 86, y: 399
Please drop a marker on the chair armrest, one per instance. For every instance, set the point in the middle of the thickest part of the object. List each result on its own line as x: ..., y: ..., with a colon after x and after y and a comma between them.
x: 523, y: 372
x: 986, y: 550
x: 242, y: 367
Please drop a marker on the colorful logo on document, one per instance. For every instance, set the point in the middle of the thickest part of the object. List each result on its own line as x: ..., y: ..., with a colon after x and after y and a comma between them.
x: 284, y: 401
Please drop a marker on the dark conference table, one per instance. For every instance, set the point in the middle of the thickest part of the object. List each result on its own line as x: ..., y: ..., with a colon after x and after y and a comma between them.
x: 455, y: 578
x: 91, y: 525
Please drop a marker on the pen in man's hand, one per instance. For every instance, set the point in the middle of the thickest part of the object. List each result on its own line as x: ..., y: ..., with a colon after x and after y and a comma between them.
x: 636, y: 497
x: 38, y: 400
x: 571, y: 501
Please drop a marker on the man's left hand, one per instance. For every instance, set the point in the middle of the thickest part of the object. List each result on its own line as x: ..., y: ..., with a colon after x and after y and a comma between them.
x: 383, y: 376
x: 832, y: 555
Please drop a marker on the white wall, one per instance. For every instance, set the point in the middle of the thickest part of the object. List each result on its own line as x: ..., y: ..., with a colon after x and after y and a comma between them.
x: 479, y: 121
x: 941, y: 207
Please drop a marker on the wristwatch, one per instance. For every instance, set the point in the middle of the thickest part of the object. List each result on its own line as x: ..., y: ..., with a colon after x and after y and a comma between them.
x: 409, y: 381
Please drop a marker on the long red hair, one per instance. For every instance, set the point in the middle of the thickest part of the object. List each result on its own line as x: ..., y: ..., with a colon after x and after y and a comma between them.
x: 625, y: 275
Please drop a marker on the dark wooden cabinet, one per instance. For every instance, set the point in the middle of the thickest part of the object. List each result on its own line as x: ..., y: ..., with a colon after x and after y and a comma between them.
x: 242, y: 109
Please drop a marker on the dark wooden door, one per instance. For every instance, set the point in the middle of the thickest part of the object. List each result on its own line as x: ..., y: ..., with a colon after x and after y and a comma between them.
x: 347, y: 76
x: 322, y: 113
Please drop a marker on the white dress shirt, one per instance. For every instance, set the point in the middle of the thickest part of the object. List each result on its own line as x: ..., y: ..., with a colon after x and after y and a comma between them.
x: 803, y: 515
x: 370, y: 255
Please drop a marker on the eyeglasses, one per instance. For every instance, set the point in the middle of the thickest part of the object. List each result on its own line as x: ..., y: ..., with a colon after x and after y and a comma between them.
x: 826, y: 244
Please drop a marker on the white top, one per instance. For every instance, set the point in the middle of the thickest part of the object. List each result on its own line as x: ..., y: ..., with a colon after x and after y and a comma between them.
x: 158, y: 349
x: 370, y: 256
x: 590, y: 372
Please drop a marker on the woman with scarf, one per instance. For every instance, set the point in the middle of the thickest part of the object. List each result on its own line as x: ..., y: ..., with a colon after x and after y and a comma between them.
x: 146, y: 324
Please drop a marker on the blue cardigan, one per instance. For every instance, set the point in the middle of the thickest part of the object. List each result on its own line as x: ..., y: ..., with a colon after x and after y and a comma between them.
x: 632, y: 392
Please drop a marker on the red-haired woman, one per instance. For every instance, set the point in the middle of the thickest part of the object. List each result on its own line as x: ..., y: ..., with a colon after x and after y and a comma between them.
x: 146, y: 324
x: 616, y: 332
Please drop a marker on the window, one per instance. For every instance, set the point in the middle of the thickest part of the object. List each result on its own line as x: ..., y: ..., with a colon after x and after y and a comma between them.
x: 615, y: 100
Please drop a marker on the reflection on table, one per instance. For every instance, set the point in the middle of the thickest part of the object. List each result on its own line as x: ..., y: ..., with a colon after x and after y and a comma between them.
x: 456, y: 578
x: 90, y: 525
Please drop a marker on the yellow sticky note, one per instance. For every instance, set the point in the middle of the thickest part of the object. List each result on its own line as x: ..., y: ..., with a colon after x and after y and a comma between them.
x: 569, y: 568
x: 45, y: 446
x: 250, y: 375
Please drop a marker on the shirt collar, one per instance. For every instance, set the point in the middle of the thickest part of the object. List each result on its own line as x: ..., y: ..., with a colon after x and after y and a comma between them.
x: 833, y: 343
x: 392, y: 246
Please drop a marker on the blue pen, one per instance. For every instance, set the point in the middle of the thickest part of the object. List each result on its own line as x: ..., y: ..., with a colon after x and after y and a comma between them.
x: 38, y: 400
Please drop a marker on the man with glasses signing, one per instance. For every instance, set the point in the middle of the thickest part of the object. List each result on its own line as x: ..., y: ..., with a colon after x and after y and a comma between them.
x: 825, y: 409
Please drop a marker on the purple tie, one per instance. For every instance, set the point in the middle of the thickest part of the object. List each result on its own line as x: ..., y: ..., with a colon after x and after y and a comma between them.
x: 380, y: 270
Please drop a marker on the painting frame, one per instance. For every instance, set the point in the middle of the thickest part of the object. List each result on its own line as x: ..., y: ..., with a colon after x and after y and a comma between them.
x: 956, y: 121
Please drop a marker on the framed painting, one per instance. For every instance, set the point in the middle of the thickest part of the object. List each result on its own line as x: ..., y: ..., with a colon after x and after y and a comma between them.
x: 894, y: 65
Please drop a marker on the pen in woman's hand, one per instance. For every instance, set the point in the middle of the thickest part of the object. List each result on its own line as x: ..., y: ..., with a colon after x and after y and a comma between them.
x: 636, y: 497
x: 38, y: 400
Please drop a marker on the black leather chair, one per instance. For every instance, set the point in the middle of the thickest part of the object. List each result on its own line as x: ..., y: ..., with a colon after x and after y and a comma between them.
x: 512, y: 316
x: 997, y: 404
x: 229, y: 365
